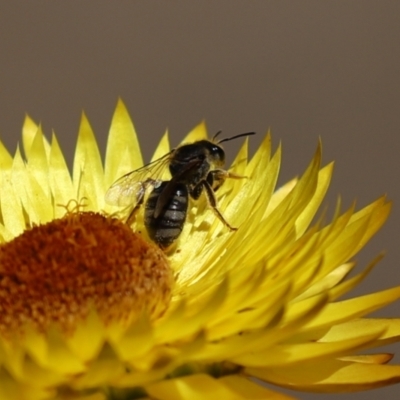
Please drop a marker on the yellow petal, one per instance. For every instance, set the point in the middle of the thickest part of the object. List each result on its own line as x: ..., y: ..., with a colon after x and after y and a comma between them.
x: 324, y: 179
x: 250, y: 390
x: 198, y: 316
x: 346, y: 310
x: 232, y: 320
x: 12, y: 389
x: 36, y: 203
x: 349, y: 284
x: 331, y: 376
x: 327, y: 282
x: 194, y: 387
x: 162, y: 148
x: 358, y: 327
x: 60, y: 179
x: 29, y: 132
x: 285, y: 355
x: 101, y: 371
x: 88, y: 338
x: 262, y: 155
x: 381, y: 358
x: 13, y: 220
x: 199, y: 132
x: 6, y: 159
x: 38, y: 160
x: 88, y: 174
x: 122, y: 139
x: 234, y: 347
x: 138, y: 339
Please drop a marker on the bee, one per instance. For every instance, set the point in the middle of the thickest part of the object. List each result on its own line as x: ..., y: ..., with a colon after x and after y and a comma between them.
x: 195, y: 168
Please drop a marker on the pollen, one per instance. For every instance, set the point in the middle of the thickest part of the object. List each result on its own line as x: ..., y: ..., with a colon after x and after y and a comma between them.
x: 58, y: 272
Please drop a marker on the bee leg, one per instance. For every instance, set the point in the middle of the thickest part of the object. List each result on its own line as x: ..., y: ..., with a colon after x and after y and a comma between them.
x: 212, y: 201
x: 196, y: 191
x: 223, y: 174
x: 217, y: 177
x: 132, y: 215
x: 139, y: 200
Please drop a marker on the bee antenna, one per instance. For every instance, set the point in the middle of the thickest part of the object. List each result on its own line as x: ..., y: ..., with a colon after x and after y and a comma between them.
x: 235, y: 137
x: 216, y: 135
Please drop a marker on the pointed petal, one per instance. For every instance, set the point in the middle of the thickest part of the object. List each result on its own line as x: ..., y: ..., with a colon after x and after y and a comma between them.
x: 250, y: 390
x: 251, y: 319
x: 327, y: 282
x: 349, y: 284
x: 235, y: 347
x: 10, y: 389
x: 191, y: 323
x: 5, y: 159
x: 194, y: 387
x: 331, y: 376
x: 37, y: 204
x: 162, y: 148
x: 29, y: 131
x: 60, y: 358
x: 263, y: 154
x: 122, y: 138
x: 324, y: 180
x: 60, y: 179
x: 12, y: 213
x: 335, y: 313
x: 136, y: 341
x: 382, y: 358
x: 88, y: 338
x: 364, y: 326
x: 38, y: 161
x: 281, y: 193
x: 101, y: 371
x: 88, y: 174
x: 199, y: 132
x: 285, y: 355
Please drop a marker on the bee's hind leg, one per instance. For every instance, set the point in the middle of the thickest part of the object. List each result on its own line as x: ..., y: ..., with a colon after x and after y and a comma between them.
x: 132, y: 215
x: 139, y: 200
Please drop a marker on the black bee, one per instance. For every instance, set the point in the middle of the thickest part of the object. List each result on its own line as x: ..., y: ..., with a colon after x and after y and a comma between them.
x: 195, y: 168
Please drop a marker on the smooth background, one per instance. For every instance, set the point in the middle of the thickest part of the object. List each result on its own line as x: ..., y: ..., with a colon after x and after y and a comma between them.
x: 304, y: 68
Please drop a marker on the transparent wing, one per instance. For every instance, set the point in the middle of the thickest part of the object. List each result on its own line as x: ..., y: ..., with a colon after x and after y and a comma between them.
x: 124, y: 194
x: 129, y: 189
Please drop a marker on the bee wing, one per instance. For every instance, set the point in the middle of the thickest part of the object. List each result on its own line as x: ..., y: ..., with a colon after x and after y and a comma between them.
x: 125, y: 193
x: 129, y: 189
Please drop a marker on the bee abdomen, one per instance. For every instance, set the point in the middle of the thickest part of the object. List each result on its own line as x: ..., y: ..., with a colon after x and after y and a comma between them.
x: 166, y: 228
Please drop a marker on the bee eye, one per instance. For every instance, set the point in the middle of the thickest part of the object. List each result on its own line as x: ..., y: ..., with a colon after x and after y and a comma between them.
x: 218, y: 153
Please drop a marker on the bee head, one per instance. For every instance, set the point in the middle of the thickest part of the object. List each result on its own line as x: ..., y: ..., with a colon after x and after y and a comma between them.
x: 217, y: 154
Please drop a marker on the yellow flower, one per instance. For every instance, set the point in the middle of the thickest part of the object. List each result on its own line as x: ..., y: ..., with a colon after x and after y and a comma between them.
x: 89, y: 309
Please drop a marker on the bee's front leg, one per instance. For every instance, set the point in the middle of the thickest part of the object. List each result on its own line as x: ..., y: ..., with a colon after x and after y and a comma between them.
x: 217, y: 177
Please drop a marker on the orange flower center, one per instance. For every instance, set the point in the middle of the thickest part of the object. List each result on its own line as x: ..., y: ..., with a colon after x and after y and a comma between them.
x: 58, y: 272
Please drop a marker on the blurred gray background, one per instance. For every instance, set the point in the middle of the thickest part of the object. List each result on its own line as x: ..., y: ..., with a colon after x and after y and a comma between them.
x: 303, y: 68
